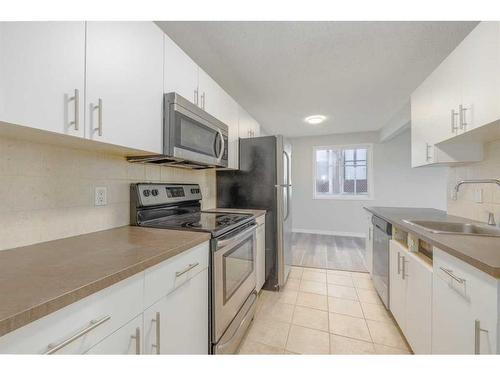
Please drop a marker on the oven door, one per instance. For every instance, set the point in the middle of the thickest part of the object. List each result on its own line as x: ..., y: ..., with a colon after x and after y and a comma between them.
x: 194, y: 138
x: 234, y: 276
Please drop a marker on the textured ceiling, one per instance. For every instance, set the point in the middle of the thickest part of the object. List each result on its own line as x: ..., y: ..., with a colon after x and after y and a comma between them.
x: 358, y: 74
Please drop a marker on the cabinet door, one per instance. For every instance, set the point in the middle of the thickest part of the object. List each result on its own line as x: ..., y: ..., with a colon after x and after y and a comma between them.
x: 212, y: 96
x: 418, y: 304
x: 181, y: 73
x: 420, y: 117
x: 261, y: 256
x: 126, y: 340
x: 183, y: 320
x: 41, y: 66
x: 397, y: 289
x: 125, y: 84
x: 479, y: 65
x: 231, y: 120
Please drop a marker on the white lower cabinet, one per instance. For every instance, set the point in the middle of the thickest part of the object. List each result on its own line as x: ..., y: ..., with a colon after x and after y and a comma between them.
x: 116, y: 320
x: 260, y: 260
x: 178, y: 323
x: 126, y: 340
x: 410, y: 296
x: 465, y: 308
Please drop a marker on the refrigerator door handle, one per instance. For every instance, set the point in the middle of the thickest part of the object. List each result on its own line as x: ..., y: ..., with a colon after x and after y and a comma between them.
x: 287, y: 185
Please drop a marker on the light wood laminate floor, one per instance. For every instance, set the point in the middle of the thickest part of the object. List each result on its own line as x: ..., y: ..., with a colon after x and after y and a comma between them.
x: 329, y: 252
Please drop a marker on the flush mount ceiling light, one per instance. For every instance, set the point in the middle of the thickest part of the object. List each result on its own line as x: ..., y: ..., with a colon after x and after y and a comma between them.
x: 315, y: 119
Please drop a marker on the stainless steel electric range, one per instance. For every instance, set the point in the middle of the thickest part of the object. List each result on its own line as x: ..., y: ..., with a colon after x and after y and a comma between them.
x: 232, y: 253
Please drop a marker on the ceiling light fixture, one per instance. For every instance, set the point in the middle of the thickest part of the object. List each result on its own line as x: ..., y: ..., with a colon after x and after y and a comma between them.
x: 315, y: 119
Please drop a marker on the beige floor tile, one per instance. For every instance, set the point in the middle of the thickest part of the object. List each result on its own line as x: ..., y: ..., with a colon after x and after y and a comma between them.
x: 269, y: 332
x: 382, y: 349
x: 363, y: 283
x: 376, y: 312
x: 349, y: 326
x: 310, y: 318
x: 292, y: 284
x: 318, y: 270
x: 340, y: 280
x: 369, y: 296
x: 252, y: 347
x: 274, y: 310
x: 345, y: 306
x: 295, y: 273
x: 287, y: 296
x: 361, y: 275
x: 346, y: 345
x: 314, y: 276
x: 386, y: 334
x: 339, y: 291
x: 313, y: 287
x: 338, y: 273
x: 307, y: 341
x: 314, y: 301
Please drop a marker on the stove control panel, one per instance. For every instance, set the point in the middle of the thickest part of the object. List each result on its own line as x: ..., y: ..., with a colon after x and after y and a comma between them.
x: 158, y: 194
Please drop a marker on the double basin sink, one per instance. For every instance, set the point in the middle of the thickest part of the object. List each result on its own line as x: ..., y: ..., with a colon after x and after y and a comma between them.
x: 446, y: 227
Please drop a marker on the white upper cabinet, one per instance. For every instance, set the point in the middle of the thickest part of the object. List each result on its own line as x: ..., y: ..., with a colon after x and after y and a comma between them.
x: 248, y: 126
x: 181, y: 73
x: 462, y: 94
x: 42, y: 66
x: 124, y: 91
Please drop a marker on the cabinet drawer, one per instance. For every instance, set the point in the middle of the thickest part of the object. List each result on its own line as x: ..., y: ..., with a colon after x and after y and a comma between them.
x: 88, y: 321
x: 163, y: 278
x: 457, y: 275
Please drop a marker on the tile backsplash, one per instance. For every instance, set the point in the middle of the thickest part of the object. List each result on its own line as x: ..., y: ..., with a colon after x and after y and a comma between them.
x: 466, y: 204
x: 47, y: 192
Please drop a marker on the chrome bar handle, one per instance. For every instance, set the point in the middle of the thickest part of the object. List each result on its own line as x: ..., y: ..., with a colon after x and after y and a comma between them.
x: 427, y: 149
x: 203, y: 100
x: 403, y: 268
x: 477, y: 336
x: 196, y: 96
x: 99, y: 117
x: 454, y: 127
x: 399, y: 263
x: 76, y: 99
x: 450, y: 273
x: 158, y: 333
x: 288, y: 185
x: 463, y: 122
x: 53, y: 348
x: 137, y: 338
x: 188, y: 268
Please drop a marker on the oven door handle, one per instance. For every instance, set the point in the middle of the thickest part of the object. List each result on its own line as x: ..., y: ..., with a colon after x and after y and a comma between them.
x: 236, y: 237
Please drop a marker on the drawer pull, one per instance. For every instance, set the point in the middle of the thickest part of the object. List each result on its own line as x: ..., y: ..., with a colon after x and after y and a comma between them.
x: 137, y: 338
x: 188, y: 268
x: 450, y: 273
x: 158, y: 333
x: 53, y: 348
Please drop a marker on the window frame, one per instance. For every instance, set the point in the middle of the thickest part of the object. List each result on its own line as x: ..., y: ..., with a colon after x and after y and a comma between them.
x: 369, y: 172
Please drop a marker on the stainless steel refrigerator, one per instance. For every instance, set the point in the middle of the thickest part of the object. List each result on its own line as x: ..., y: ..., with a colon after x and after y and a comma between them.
x: 264, y: 181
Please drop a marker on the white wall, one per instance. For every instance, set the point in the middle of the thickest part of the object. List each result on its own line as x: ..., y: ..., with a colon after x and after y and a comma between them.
x: 395, y: 184
x: 48, y: 191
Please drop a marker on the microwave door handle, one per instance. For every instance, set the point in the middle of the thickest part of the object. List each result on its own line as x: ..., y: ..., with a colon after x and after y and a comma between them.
x: 223, y: 145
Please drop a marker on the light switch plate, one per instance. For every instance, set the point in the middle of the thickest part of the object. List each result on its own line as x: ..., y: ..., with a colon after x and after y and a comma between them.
x: 101, y: 196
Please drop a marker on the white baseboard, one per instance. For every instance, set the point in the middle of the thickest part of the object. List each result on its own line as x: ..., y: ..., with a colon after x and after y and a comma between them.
x: 329, y: 232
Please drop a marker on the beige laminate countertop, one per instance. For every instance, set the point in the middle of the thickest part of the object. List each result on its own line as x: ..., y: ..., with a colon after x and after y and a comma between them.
x: 479, y: 251
x: 39, y: 279
x: 255, y: 213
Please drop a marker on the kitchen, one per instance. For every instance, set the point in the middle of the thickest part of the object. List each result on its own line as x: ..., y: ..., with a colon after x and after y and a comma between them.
x: 148, y: 211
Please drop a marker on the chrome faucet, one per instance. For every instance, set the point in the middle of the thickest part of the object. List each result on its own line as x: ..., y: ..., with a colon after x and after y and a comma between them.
x: 482, y: 181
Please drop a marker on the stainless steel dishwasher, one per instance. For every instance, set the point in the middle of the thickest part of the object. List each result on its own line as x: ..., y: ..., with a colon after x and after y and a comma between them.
x: 382, y: 231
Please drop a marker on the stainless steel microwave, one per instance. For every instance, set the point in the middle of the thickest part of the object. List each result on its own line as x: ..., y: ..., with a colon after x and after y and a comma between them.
x: 192, y: 138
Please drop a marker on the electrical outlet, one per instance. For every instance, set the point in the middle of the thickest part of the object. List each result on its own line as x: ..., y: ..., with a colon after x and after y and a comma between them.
x: 478, y: 195
x: 100, y: 196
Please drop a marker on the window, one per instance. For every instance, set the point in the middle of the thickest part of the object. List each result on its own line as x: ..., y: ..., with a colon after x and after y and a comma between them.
x: 342, y: 172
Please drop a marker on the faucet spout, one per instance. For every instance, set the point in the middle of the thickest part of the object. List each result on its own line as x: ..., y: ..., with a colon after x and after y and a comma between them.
x: 480, y: 181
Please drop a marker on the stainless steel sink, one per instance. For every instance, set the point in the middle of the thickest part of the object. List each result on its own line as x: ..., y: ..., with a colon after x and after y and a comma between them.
x: 471, y: 229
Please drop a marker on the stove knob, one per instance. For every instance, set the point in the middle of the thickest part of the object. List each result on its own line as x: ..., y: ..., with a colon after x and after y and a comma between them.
x: 154, y: 192
x: 146, y: 193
